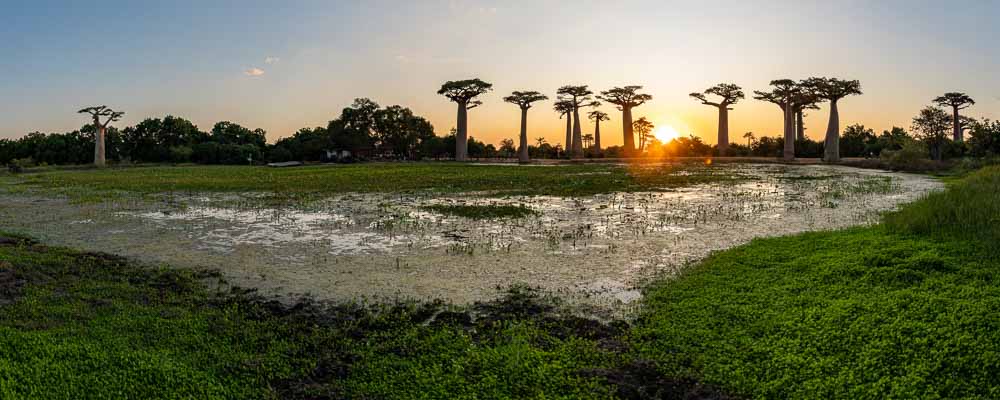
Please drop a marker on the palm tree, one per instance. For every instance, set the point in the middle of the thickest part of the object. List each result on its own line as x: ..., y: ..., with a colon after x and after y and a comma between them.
x: 626, y: 98
x: 783, y: 94
x: 597, y: 116
x: 464, y: 94
x: 730, y: 94
x: 643, y: 127
x: 524, y: 100
x: 832, y: 90
x: 957, y: 101
x: 565, y: 108
x: 102, y: 128
x: 750, y: 138
x: 577, y: 96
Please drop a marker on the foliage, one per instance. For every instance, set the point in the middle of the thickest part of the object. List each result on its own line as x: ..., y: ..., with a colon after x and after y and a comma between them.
x: 931, y: 126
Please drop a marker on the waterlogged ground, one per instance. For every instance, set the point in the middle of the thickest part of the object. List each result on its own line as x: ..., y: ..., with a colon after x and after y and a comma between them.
x: 595, y: 249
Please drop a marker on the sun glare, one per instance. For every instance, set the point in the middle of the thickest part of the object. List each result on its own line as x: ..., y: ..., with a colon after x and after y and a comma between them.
x: 666, y: 133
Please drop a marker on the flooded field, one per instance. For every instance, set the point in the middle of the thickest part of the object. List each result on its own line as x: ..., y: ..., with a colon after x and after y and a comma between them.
x: 596, y: 249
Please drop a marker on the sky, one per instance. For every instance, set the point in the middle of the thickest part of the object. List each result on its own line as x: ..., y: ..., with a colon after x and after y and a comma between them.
x: 284, y: 65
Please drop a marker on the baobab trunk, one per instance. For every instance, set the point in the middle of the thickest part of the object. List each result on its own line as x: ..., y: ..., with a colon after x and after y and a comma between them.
x: 789, y: 151
x: 569, y: 135
x: 800, y: 129
x: 597, y: 136
x: 629, y: 136
x: 723, y: 130
x: 831, y: 152
x: 522, y: 154
x: 462, y: 135
x: 99, y: 159
x: 577, y: 134
x: 958, y: 125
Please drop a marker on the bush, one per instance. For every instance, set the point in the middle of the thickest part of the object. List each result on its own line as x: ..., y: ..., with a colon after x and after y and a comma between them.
x: 181, y: 154
x: 912, y: 157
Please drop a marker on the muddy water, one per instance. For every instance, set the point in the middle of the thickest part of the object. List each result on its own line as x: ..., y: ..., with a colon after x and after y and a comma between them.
x: 596, y: 249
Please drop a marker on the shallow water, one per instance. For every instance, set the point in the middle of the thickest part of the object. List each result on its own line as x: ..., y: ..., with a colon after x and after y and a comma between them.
x: 595, y: 249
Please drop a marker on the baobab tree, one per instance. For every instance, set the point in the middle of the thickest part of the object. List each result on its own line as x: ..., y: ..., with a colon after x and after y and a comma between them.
x: 464, y: 94
x: 750, y: 138
x: 957, y: 101
x: 539, y: 141
x: 597, y: 116
x: 588, y: 140
x: 565, y: 109
x: 804, y: 99
x: 626, y: 98
x: 730, y: 94
x: 524, y: 100
x: 97, y: 113
x: 643, y: 127
x: 783, y: 95
x: 832, y: 90
x: 577, y: 96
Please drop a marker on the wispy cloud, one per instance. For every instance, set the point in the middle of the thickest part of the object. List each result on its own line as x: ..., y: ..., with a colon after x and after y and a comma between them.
x: 254, y: 72
x: 271, y: 60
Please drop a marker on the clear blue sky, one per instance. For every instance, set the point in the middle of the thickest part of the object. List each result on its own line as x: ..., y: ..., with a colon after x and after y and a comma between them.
x: 194, y: 58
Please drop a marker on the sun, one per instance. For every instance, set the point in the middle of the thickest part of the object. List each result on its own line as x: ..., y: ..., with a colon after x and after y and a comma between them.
x: 666, y: 133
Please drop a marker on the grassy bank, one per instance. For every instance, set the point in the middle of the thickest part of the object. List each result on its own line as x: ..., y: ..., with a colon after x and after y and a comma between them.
x: 560, y: 180
x: 903, y: 309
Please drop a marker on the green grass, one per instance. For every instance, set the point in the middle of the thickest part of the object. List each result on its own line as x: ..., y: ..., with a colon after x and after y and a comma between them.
x: 485, y: 211
x: 562, y: 180
x: 906, y: 309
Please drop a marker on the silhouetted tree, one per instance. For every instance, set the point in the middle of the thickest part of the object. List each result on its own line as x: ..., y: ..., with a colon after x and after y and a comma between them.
x: 577, y: 96
x: 730, y: 94
x: 539, y: 141
x: 644, y: 128
x: 588, y: 140
x: 783, y: 95
x: 957, y: 101
x: 931, y: 126
x: 109, y: 116
x: 464, y: 94
x: 750, y: 138
x: 626, y: 98
x: 565, y: 108
x: 597, y: 116
x: 832, y: 90
x: 524, y: 100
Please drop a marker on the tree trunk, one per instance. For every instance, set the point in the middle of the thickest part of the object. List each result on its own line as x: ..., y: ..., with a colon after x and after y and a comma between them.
x: 789, y: 150
x: 462, y: 135
x: 577, y: 134
x: 597, y: 137
x: 569, y: 136
x: 522, y: 154
x: 99, y: 159
x: 723, y: 130
x: 958, y: 125
x: 629, y: 136
x: 800, y: 129
x: 831, y: 152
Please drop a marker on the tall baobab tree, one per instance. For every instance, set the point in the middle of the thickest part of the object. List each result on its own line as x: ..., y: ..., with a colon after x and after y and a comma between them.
x: 750, y: 138
x: 577, y: 96
x: 626, y: 98
x: 524, y: 100
x: 109, y: 115
x: 957, y: 101
x: 588, y: 140
x: 464, y: 94
x: 832, y: 90
x: 730, y: 94
x: 803, y: 99
x: 783, y: 95
x: 565, y: 109
x: 643, y: 127
x: 597, y: 116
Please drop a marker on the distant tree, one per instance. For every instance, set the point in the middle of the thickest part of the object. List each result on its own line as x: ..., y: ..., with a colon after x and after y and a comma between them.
x: 832, y: 90
x: 730, y: 94
x: 565, y: 109
x: 398, y: 132
x: 644, y: 128
x: 857, y: 141
x: 783, y: 94
x: 802, y: 99
x: 750, y: 138
x: 539, y: 141
x: 524, y: 100
x: 588, y: 140
x: 507, y: 148
x: 984, y: 138
x: 577, y: 96
x: 957, y: 101
x: 597, y: 116
x: 109, y: 116
x: 931, y: 127
x: 464, y: 94
x: 626, y: 98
